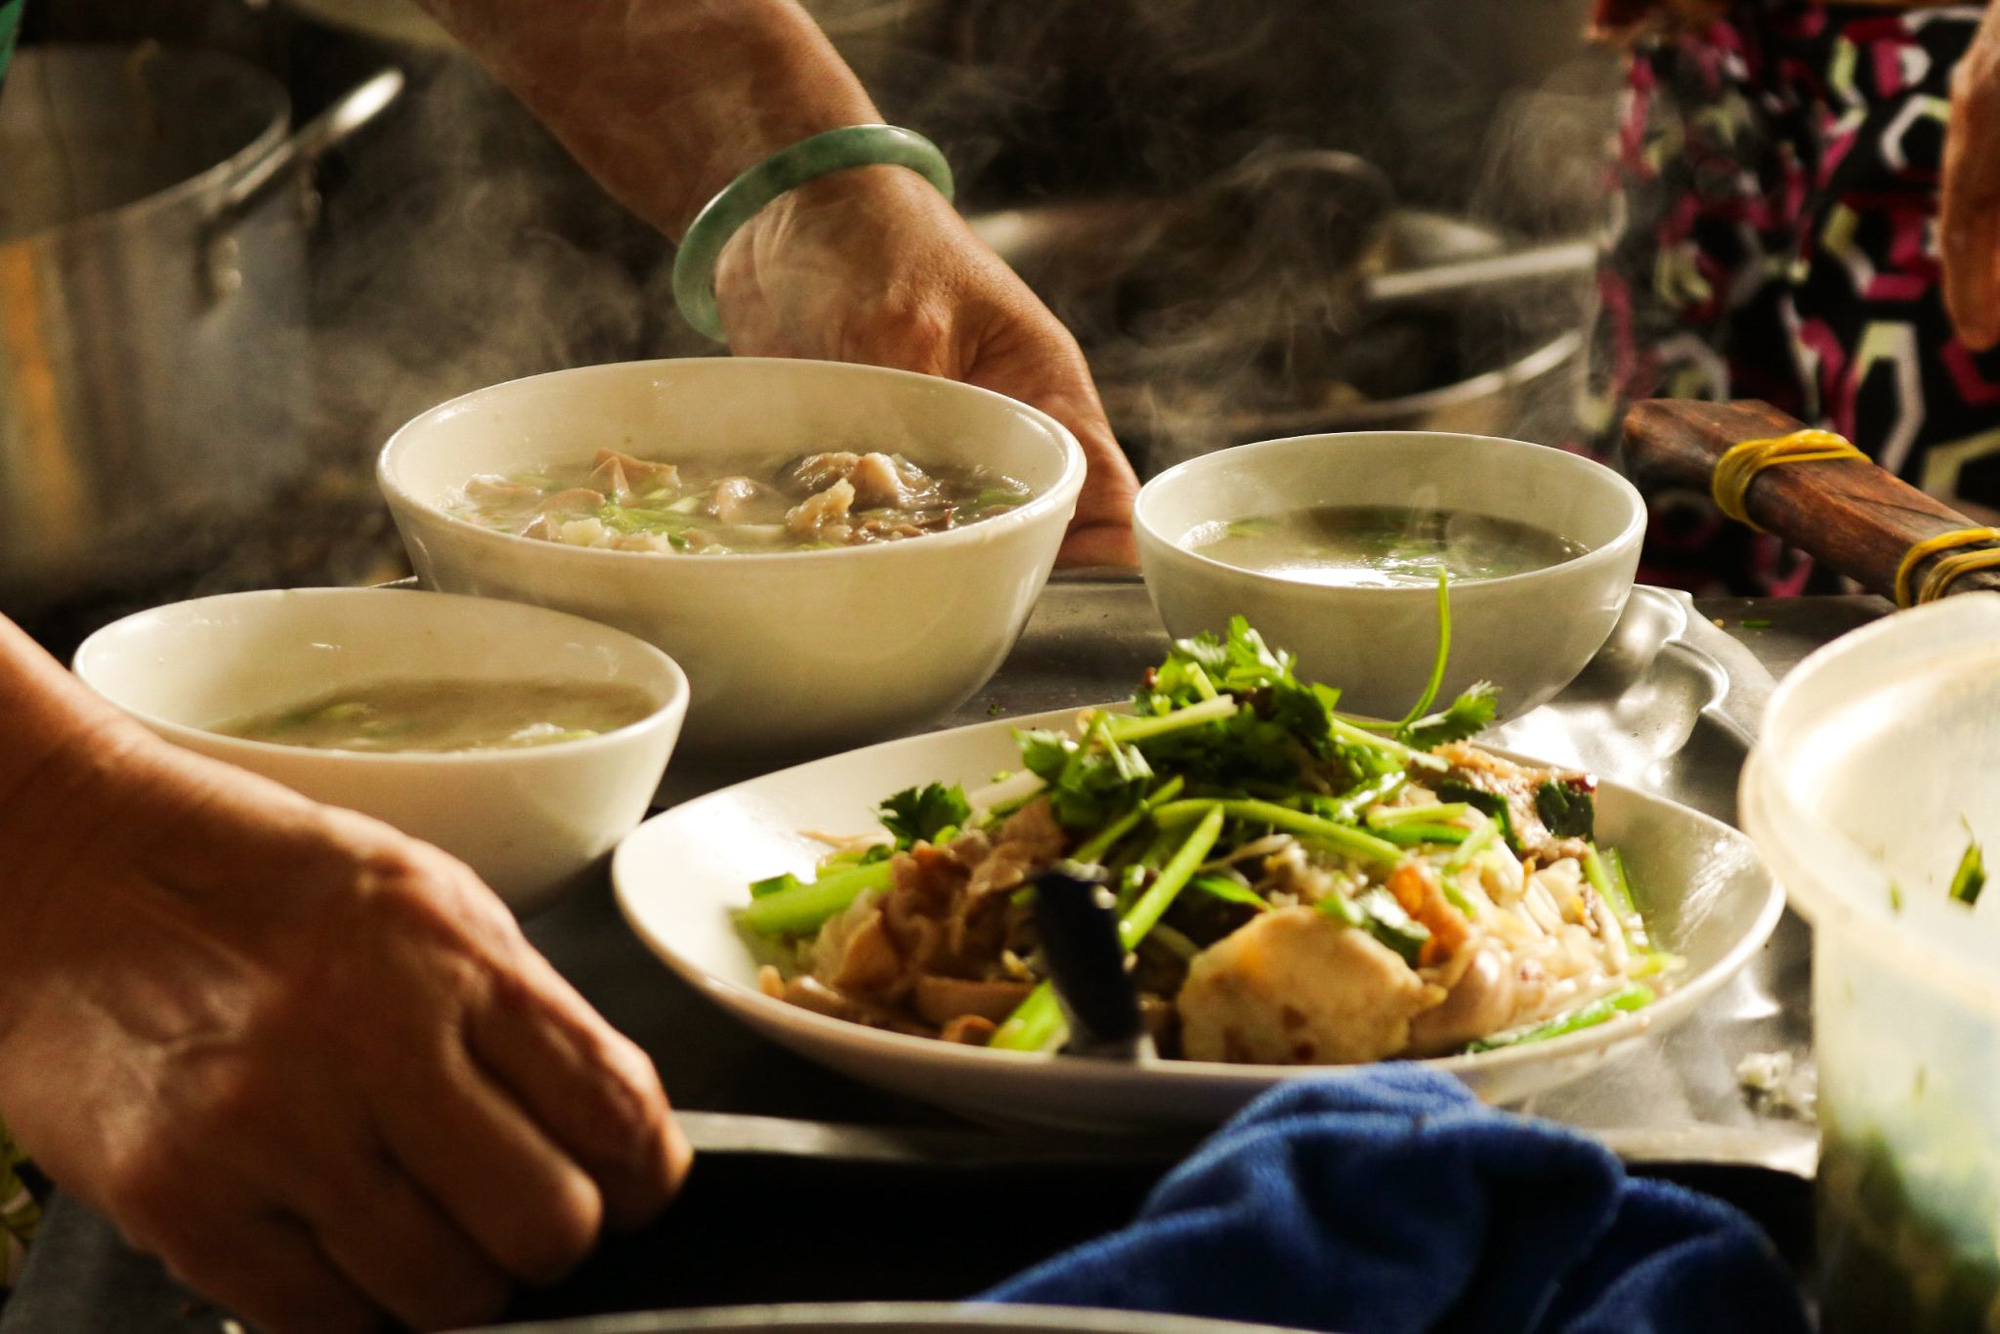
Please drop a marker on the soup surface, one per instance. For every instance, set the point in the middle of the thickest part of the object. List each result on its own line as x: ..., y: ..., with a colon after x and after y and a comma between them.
x: 829, y: 499
x: 448, y: 715
x: 1382, y: 546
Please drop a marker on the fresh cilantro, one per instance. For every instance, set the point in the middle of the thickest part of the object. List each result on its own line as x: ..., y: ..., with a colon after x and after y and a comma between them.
x: 1282, y: 721
x: 1305, y: 709
x: 1436, y: 682
x: 1469, y: 714
x: 917, y: 814
x: 1089, y: 784
x: 1492, y: 803
x: 1240, y: 663
x: 1044, y: 753
x: 1567, y: 811
x: 1241, y: 750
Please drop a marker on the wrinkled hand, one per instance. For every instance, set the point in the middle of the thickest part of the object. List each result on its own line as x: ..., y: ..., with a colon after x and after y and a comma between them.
x: 1969, y: 212
x: 310, y: 1063
x: 873, y: 265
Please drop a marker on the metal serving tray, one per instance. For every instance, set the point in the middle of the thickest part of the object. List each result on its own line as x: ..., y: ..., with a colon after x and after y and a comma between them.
x: 1670, y: 704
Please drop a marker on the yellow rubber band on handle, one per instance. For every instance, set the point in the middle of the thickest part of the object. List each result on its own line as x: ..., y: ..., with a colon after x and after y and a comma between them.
x: 1947, y: 571
x: 1739, y: 466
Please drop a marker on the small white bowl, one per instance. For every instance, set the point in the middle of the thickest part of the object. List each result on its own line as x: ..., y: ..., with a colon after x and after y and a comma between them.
x: 531, y: 821
x: 1529, y: 634
x: 787, y: 652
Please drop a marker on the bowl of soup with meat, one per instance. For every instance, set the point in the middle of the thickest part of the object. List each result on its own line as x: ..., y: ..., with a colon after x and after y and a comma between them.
x: 835, y: 553
x: 1334, y: 545
x: 526, y: 742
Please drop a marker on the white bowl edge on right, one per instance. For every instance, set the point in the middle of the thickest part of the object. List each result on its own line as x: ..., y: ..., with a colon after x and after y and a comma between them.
x: 1529, y: 634
x: 1879, y: 760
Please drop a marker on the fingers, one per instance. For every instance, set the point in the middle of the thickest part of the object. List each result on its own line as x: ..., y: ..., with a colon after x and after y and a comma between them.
x: 1103, y: 544
x: 388, y: 1238
x: 518, y: 1196
x: 593, y: 1092
x: 1100, y: 533
x: 239, y: 1144
x: 1036, y: 361
x: 1969, y: 210
x: 264, y: 1266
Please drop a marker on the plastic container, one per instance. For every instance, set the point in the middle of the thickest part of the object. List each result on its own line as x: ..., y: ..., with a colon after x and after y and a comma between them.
x: 1878, y: 756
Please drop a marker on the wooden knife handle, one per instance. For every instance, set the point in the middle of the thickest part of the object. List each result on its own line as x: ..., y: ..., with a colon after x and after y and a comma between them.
x: 1848, y: 514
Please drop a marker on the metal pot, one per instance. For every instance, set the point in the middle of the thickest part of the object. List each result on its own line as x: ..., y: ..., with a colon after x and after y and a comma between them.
x: 867, y: 33
x: 1296, y: 299
x: 153, y: 372
x: 1526, y: 394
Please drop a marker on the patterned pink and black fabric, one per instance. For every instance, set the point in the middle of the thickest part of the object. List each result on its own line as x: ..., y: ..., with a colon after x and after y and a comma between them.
x: 1778, y: 173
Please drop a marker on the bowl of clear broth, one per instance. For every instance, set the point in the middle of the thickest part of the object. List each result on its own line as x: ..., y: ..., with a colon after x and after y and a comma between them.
x: 1333, y: 545
x: 835, y: 553
x: 525, y: 742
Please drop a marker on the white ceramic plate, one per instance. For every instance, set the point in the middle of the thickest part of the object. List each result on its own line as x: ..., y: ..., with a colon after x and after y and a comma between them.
x: 679, y: 875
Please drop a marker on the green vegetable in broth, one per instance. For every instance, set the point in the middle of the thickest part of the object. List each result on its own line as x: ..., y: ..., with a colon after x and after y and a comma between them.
x: 1970, y: 877
x: 1382, y: 546
x: 449, y: 715
x: 829, y: 499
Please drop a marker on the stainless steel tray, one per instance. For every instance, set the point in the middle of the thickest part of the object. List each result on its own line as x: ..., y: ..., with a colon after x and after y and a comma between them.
x: 1669, y: 704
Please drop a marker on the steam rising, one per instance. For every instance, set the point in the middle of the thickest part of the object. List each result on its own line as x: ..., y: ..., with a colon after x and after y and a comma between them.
x: 1213, y: 279
x: 463, y: 250
x: 459, y: 247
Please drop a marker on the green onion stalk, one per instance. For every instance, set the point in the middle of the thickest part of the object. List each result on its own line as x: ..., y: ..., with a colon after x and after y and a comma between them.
x: 803, y: 907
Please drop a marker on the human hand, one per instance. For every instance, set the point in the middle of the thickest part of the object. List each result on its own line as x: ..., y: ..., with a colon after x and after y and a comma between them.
x: 1969, y: 210
x: 308, y: 1062
x: 873, y: 265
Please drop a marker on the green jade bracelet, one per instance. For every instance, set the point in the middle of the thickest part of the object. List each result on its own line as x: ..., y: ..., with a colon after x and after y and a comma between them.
x: 787, y: 169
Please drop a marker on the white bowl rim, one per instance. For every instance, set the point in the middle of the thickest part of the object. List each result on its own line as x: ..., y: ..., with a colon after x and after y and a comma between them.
x: 1604, y: 553
x: 1058, y: 493
x: 1616, y: 1031
x: 673, y: 705
x: 1896, y: 938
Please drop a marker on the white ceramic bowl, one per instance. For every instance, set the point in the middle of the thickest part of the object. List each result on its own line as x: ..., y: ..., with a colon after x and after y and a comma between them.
x: 681, y: 874
x: 1529, y: 634
x: 531, y: 821
x: 787, y: 652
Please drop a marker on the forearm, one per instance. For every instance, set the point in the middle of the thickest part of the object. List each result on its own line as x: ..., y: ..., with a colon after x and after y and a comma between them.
x: 664, y: 101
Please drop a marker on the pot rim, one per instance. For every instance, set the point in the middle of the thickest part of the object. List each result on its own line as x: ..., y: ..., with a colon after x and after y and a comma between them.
x: 1544, y: 359
x: 210, y: 181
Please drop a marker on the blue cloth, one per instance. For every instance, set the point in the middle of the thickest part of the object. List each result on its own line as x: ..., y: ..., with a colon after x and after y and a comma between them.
x: 1390, y: 1201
